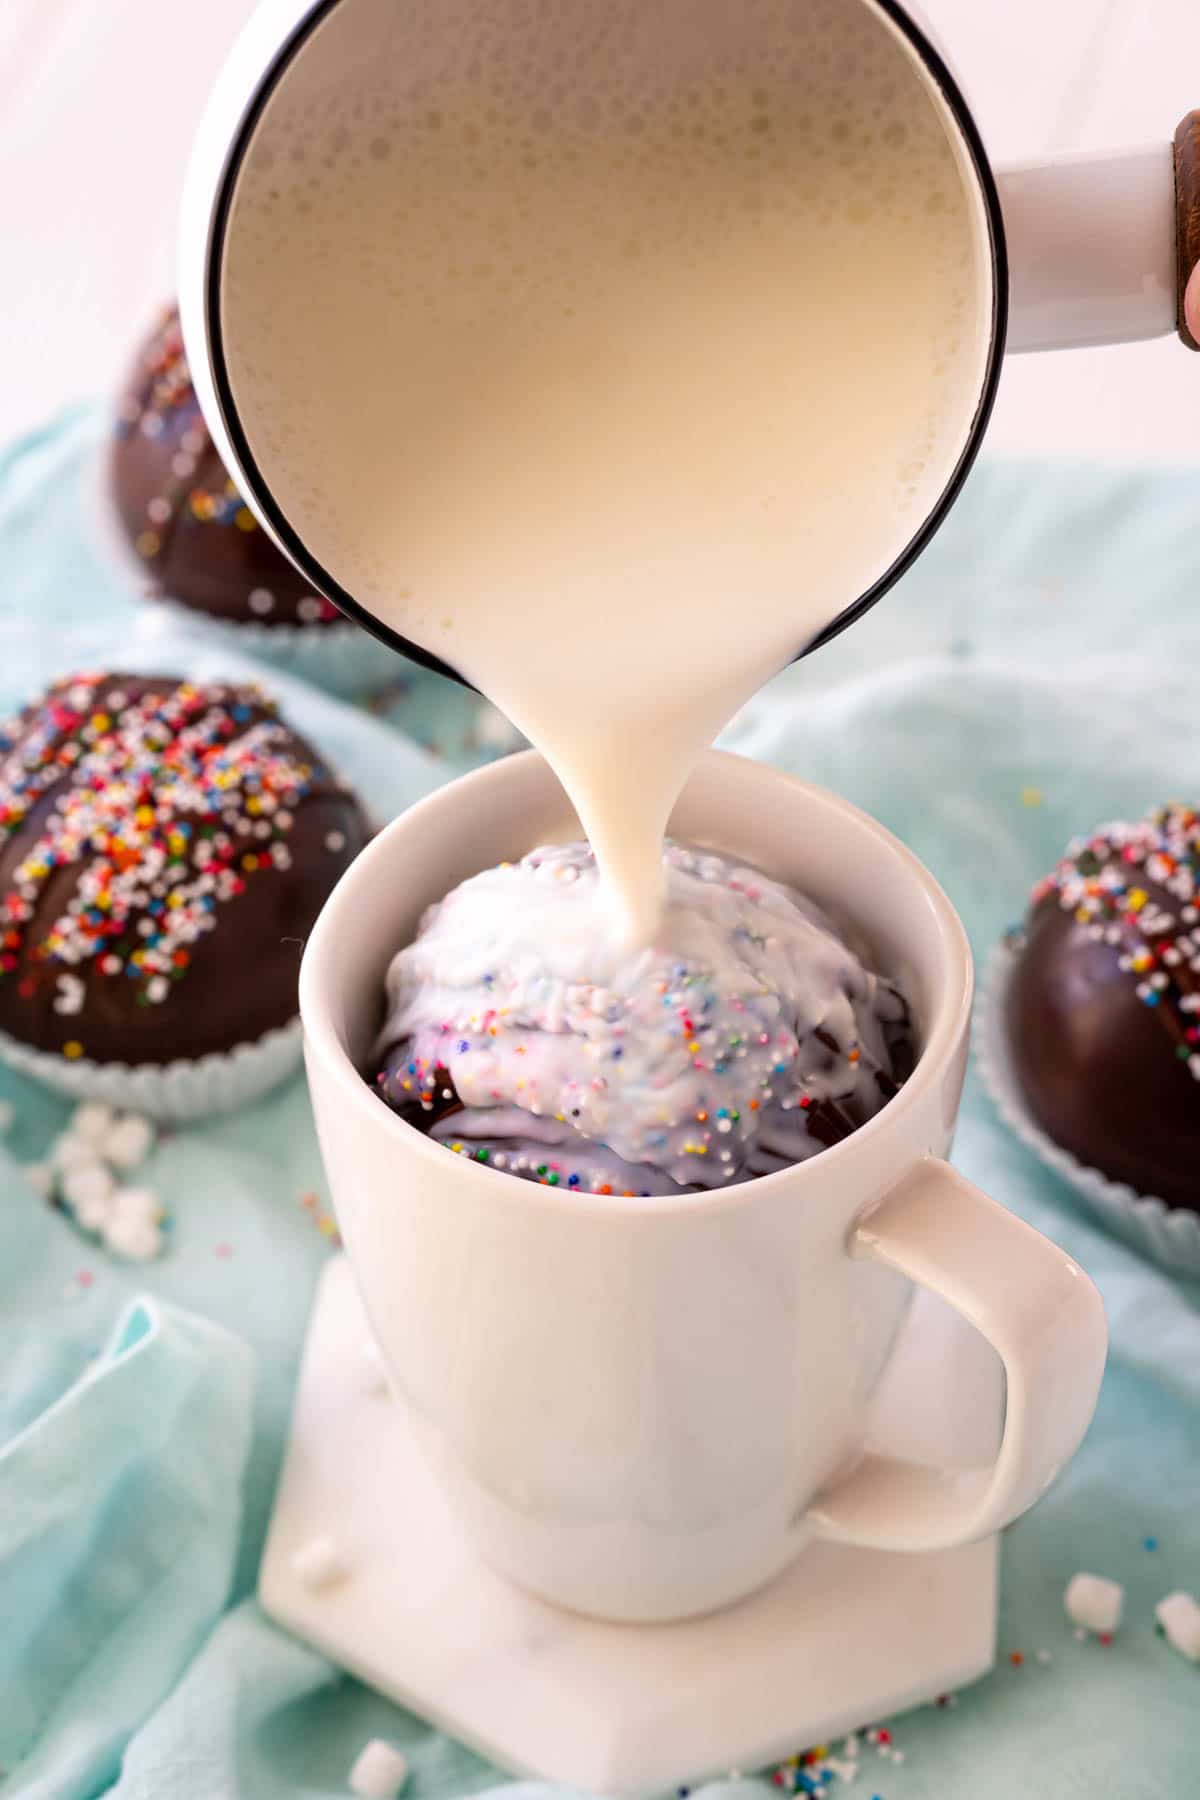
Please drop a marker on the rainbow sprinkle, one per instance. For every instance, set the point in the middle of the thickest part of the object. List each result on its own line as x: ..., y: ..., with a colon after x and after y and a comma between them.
x: 324, y: 1221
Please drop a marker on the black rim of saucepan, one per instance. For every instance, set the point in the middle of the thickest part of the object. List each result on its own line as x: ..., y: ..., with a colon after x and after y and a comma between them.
x: 320, y: 577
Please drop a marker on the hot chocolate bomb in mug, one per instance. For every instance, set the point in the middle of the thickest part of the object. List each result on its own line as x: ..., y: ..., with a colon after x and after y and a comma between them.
x: 608, y: 357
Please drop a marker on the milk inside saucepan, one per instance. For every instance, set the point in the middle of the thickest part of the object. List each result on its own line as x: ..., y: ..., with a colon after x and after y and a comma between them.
x: 608, y: 349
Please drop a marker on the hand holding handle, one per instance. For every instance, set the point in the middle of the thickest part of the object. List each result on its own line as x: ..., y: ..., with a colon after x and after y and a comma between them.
x: 1042, y: 1315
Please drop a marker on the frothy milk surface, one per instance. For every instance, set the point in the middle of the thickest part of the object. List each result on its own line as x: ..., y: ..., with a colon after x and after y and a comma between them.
x: 608, y: 349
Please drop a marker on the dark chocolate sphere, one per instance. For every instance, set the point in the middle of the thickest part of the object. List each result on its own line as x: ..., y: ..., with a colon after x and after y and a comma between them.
x: 1104, y: 1004
x: 184, y: 518
x: 164, y: 851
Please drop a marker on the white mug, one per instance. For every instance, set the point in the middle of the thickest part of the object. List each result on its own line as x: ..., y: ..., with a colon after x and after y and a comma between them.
x: 645, y: 1408
x: 1083, y: 250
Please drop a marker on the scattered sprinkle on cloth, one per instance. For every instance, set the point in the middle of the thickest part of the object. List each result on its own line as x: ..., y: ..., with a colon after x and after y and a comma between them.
x: 1036, y: 673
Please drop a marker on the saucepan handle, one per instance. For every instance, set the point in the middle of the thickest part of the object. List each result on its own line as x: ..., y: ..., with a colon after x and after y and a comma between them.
x: 1100, y: 245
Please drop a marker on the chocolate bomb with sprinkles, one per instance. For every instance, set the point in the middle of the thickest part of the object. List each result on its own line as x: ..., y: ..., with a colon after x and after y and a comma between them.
x: 165, y: 847
x: 750, y: 1035
x: 194, y: 537
x: 1103, y: 1011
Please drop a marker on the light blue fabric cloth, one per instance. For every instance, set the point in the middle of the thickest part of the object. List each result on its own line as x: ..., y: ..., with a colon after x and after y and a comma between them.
x: 122, y: 1507
x: 1037, y: 672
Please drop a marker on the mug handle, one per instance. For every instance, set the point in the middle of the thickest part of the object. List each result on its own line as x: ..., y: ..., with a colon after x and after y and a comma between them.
x: 1036, y: 1308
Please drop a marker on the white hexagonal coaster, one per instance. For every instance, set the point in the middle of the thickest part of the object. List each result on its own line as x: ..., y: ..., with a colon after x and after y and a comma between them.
x: 397, y: 1595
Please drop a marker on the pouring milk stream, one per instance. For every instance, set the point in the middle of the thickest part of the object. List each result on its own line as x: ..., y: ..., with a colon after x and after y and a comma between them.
x: 669, y: 370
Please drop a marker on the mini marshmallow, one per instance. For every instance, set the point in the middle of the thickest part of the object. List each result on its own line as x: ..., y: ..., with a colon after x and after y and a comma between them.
x: 133, y: 1243
x: 88, y: 1190
x: 379, y: 1771
x: 92, y: 1121
x: 371, y: 1372
x: 1179, y: 1616
x: 129, y: 1236
x: 40, y: 1177
x: 1094, y: 1602
x: 137, y: 1205
x: 320, y: 1563
x: 70, y: 1149
x: 128, y: 1142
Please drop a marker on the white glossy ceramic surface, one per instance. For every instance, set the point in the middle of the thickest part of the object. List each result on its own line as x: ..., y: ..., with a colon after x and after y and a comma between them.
x: 843, y: 1638
x: 645, y: 1408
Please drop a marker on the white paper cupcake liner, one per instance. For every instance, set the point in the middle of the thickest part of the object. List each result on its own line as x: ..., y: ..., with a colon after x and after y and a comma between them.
x: 343, y: 659
x: 1170, y: 1235
x: 175, y: 1092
